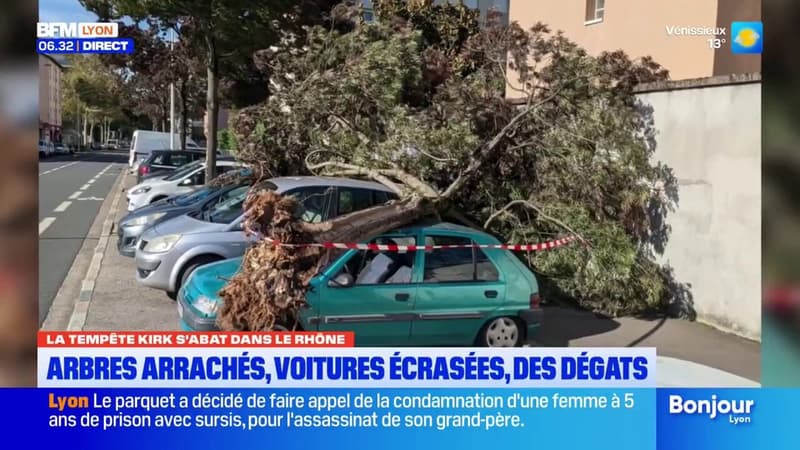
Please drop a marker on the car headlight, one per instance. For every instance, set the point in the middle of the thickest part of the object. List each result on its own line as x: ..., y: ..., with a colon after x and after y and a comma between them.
x: 144, y: 220
x: 141, y: 190
x: 207, y: 306
x: 162, y: 243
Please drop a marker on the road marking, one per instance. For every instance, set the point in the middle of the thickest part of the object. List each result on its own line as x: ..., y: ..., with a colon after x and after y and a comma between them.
x: 95, y: 199
x: 77, y: 319
x: 84, y: 187
x: 45, y: 223
x: 58, y: 168
x: 63, y: 206
x: 90, y: 181
x: 75, y: 195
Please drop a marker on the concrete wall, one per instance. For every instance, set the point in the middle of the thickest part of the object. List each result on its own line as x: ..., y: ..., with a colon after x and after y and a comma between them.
x: 711, y: 137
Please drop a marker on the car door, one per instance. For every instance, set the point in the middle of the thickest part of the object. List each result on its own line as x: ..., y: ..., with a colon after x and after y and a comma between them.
x: 371, y: 293
x: 459, y: 288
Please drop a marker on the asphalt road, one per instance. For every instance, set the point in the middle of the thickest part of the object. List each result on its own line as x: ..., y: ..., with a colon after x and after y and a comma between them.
x: 71, y: 190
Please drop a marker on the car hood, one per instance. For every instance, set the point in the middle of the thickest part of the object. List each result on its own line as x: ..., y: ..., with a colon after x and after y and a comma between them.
x: 150, y: 182
x: 184, y: 225
x: 209, y: 279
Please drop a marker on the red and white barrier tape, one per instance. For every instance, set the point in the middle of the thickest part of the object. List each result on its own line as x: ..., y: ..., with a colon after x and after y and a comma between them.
x: 410, y: 248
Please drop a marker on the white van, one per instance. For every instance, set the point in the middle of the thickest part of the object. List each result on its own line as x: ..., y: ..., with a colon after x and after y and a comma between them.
x: 144, y: 142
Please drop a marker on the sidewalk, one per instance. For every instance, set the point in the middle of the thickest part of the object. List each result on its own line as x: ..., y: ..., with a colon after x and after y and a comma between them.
x: 119, y: 303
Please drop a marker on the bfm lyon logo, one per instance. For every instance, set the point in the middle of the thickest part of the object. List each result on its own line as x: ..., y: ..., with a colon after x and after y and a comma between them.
x: 738, y: 411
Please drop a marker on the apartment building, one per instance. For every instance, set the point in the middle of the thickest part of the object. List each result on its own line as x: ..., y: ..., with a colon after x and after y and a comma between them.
x: 51, y: 69
x: 640, y: 27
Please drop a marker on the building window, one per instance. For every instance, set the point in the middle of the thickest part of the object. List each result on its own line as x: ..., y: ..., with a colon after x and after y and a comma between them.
x: 595, y: 11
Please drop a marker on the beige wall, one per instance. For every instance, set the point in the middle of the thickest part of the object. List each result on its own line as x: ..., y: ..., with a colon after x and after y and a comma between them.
x: 639, y: 28
x: 715, y: 243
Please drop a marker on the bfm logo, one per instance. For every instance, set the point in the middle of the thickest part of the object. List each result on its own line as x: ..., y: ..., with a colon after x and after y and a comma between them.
x: 738, y: 411
x: 77, y: 30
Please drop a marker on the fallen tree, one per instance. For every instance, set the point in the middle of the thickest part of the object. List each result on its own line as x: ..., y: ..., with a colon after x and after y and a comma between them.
x: 418, y: 102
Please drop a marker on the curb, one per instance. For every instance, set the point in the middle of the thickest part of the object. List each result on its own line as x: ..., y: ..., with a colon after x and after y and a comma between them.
x: 77, y: 319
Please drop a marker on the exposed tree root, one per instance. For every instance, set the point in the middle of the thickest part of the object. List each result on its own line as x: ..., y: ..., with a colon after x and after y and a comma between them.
x: 270, y: 288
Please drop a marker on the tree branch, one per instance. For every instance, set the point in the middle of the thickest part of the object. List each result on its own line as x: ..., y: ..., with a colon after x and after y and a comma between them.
x: 541, y: 214
x: 353, y: 170
x: 482, y: 154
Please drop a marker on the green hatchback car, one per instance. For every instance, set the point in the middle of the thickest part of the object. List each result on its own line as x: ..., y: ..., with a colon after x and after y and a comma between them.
x: 451, y: 296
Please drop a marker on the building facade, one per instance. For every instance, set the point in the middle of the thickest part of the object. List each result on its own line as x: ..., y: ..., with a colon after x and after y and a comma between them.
x: 484, y: 6
x: 51, y: 70
x: 642, y: 28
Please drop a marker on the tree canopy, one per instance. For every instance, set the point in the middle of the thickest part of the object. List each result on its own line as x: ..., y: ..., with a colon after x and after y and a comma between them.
x: 418, y: 101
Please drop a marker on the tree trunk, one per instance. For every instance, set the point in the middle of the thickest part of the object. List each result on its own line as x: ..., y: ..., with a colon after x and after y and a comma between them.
x: 212, y: 108
x: 184, y: 114
x: 84, y: 138
x: 91, y: 132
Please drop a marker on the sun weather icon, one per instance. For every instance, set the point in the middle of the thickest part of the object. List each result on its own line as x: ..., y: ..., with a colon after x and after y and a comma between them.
x: 748, y: 37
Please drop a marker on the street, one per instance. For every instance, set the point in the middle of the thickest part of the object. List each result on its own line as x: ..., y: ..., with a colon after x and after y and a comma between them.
x: 71, y: 190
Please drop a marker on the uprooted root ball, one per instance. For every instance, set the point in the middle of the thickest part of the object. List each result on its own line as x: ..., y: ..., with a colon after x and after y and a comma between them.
x: 271, y: 284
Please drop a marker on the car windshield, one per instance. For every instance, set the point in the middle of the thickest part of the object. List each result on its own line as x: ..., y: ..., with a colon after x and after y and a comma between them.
x: 228, y: 207
x: 183, y: 171
x: 194, y: 197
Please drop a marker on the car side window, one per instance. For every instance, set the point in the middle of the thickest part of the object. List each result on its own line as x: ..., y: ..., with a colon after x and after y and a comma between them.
x: 314, y: 203
x: 179, y: 159
x: 380, y: 197
x: 161, y: 158
x: 391, y: 266
x: 351, y: 200
x: 464, y: 264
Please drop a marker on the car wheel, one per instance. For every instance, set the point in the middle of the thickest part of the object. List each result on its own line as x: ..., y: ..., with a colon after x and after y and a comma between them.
x: 501, y: 332
x: 191, y: 267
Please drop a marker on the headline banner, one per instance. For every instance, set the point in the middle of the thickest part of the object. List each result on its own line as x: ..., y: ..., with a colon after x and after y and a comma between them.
x: 330, y: 367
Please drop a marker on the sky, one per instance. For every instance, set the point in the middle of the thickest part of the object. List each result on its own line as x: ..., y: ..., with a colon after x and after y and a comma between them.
x: 64, y: 11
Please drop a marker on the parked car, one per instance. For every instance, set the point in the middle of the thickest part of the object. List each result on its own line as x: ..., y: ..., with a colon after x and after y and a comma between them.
x: 453, y: 296
x: 190, y: 178
x: 144, y: 142
x: 61, y: 149
x: 46, y: 148
x: 162, y: 162
x: 170, y: 251
x: 135, y: 223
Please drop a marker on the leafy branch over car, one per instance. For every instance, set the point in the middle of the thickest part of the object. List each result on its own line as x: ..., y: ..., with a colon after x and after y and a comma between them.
x: 521, y: 130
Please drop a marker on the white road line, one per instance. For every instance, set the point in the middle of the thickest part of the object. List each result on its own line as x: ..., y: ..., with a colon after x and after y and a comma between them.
x: 45, y: 223
x: 84, y: 187
x: 58, y: 168
x: 90, y: 181
x: 62, y: 207
x: 75, y: 195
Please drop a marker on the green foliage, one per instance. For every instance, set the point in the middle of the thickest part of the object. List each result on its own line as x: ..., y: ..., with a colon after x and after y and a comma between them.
x: 227, y: 141
x: 572, y: 151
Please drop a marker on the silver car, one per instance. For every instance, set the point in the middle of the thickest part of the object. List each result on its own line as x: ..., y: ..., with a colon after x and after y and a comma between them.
x: 169, y: 252
x: 187, y: 179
